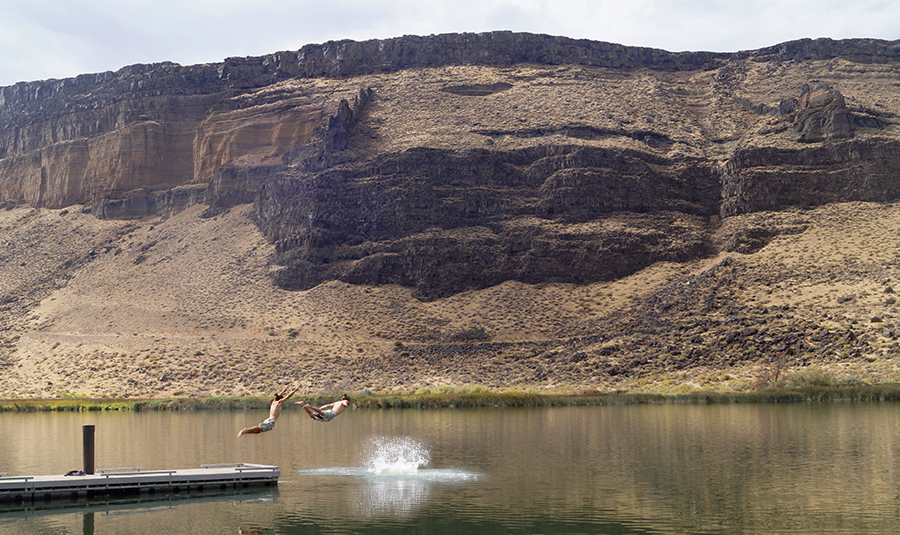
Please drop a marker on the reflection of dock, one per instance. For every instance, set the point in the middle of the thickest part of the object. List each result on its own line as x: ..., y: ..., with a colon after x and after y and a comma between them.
x: 122, y: 481
x: 137, y: 503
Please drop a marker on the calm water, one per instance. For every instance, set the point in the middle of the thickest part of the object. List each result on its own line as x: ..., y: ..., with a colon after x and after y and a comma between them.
x: 804, y: 469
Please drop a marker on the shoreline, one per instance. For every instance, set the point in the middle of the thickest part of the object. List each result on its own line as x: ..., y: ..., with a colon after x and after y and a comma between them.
x: 821, y: 394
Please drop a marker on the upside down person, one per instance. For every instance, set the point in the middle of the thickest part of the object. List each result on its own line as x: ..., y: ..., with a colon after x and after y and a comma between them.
x: 325, y: 413
x: 274, y: 412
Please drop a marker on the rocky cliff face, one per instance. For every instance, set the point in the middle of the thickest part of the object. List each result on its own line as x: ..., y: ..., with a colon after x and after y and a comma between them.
x: 149, y: 144
x: 442, y: 220
x: 454, y: 162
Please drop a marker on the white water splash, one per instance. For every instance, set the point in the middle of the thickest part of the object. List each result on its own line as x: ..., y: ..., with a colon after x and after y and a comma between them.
x: 396, y: 457
x: 396, y: 480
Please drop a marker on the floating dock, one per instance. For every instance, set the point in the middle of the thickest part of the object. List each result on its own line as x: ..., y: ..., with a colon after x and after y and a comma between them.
x: 111, y: 481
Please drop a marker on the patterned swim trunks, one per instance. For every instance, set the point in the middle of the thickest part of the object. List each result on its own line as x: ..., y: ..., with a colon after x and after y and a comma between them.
x: 267, y: 425
x: 326, y: 416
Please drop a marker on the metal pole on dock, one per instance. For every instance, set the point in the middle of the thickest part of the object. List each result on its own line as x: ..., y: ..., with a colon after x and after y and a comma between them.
x: 88, y: 448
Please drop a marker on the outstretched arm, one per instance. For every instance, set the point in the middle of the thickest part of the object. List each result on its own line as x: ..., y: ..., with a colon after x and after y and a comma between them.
x: 294, y: 391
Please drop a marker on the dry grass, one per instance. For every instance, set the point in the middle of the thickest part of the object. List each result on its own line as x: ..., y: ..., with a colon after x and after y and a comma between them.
x: 198, y: 315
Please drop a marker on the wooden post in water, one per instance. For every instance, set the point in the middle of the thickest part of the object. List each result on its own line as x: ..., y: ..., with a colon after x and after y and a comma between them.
x: 87, y: 444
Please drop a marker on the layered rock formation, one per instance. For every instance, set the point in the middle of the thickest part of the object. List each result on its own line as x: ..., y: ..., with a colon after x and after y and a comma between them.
x: 442, y: 221
x: 454, y: 162
x: 826, y: 165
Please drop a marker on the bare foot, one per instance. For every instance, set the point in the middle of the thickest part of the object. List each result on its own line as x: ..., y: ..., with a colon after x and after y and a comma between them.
x: 241, y: 432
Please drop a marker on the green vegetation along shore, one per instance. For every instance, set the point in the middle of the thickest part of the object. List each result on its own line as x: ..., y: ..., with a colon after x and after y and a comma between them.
x: 868, y: 393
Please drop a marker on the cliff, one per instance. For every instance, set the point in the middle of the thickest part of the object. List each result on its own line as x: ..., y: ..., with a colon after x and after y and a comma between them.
x: 494, y: 210
x: 453, y: 162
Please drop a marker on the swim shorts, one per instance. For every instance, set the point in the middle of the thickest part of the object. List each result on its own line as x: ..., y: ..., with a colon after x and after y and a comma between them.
x: 267, y: 425
x: 326, y: 416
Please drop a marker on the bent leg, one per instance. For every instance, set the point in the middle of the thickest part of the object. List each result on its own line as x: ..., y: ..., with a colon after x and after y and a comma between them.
x: 310, y: 410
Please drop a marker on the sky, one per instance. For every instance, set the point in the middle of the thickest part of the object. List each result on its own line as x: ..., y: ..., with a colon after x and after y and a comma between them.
x: 43, y: 39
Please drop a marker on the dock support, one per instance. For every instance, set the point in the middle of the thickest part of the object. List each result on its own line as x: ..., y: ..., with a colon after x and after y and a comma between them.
x: 88, y: 448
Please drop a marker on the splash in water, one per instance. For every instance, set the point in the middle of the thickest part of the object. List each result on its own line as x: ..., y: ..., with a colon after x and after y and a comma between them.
x: 396, y: 456
x: 396, y: 480
x: 399, y: 458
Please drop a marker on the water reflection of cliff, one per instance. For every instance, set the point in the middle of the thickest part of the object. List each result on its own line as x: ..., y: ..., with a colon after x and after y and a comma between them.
x: 758, y: 469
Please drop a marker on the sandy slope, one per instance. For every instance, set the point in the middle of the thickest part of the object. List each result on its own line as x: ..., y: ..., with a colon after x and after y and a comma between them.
x: 185, y: 307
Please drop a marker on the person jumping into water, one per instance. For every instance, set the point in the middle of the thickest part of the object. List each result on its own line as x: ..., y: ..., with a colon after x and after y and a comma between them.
x: 274, y: 412
x: 325, y: 413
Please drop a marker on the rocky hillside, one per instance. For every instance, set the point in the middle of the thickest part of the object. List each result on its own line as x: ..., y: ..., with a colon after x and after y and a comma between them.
x: 502, y: 209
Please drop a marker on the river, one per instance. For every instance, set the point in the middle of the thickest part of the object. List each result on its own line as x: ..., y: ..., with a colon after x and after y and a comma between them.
x: 631, y: 469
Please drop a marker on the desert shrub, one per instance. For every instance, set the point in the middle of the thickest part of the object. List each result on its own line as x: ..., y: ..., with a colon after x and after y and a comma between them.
x: 811, y: 376
x: 772, y: 375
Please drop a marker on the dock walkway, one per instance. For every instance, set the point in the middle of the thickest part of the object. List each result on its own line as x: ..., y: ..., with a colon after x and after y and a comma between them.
x: 123, y: 480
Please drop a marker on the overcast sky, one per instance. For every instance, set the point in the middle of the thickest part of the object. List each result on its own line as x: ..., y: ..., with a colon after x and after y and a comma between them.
x: 41, y: 39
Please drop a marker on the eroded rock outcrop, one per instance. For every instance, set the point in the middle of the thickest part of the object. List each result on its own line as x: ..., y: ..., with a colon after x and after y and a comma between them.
x: 825, y: 166
x: 757, y: 179
x: 822, y: 114
x: 99, y: 136
x: 443, y: 221
x: 154, y: 144
x: 459, y: 161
